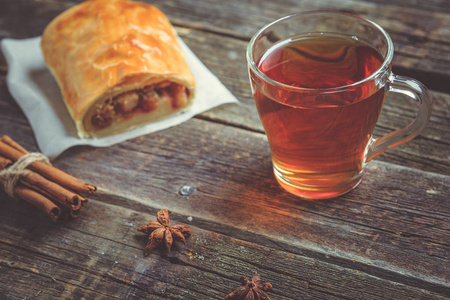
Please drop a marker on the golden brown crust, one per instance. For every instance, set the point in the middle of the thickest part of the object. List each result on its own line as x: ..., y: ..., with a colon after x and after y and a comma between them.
x: 102, y: 48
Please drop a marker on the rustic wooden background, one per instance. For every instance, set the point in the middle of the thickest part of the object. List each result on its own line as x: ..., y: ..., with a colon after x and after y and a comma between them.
x: 388, y: 239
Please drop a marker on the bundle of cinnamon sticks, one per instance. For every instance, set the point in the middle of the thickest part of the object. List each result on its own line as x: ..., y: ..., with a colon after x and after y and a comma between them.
x: 53, y: 191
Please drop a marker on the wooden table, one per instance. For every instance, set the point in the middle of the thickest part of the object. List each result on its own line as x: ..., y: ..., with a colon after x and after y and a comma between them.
x: 388, y: 239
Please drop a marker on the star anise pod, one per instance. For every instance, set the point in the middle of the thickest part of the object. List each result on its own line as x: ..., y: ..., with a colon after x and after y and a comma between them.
x: 251, y: 289
x: 160, y: 231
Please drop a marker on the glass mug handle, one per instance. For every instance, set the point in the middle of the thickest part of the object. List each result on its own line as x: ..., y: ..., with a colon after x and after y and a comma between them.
x: 419, y: 93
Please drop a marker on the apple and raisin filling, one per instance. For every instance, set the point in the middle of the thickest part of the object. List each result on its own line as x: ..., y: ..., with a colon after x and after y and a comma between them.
x: 126, y: 105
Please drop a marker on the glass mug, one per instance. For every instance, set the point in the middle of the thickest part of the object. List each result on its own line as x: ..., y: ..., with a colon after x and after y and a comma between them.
x: 319, y: 81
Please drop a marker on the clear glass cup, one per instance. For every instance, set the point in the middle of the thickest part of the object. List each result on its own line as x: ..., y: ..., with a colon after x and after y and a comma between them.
x: 321, y: 137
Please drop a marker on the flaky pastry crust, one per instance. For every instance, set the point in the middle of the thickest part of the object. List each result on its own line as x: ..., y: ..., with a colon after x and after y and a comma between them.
x: 100, y: 50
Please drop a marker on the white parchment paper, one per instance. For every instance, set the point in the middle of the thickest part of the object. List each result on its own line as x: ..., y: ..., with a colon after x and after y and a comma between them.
x: 37, y: 93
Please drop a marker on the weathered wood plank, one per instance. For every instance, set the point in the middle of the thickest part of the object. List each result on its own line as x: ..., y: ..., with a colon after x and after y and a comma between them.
x: 231, y: 171
x: 359, y: 226
x: 196, y: 152
x: 427, y: 152
x: 428, y: 5
x: 431, y: 146
x: 388, y: 239
x: 420, y: 35
x: 101, y: 255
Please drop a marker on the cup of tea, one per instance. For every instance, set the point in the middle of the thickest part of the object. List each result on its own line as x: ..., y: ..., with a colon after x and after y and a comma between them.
x: 319, y: 80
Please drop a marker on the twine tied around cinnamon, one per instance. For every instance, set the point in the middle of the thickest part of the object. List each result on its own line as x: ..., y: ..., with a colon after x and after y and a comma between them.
x: 31, y: 177
x: 10, y: 176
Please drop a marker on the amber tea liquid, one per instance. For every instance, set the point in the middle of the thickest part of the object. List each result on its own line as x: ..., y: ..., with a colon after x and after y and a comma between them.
x: 318, y: 147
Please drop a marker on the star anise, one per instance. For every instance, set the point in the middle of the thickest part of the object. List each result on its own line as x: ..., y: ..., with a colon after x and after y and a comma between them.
x: 160, y: 231
x: 251, y: 290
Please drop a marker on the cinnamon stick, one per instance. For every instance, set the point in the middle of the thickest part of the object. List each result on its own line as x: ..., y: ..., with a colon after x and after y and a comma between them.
x: 7, y: 140
x: 4, y: 163
x: 51, y: 190
x: 48, y: 171
x: 38, y: 200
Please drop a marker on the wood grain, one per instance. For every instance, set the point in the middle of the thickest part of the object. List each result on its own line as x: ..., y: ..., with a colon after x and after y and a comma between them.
x: 101, y: 255
x: 420, y: 36
x: 428, y: 152
x: 431, y: 146
x: 387, y: 239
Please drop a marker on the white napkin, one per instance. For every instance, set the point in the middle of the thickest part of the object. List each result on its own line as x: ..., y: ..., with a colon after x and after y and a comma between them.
x: 37, y: 93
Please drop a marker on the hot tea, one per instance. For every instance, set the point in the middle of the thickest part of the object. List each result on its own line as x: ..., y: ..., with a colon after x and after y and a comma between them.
x: 319, y: 79
x: 319, y: 145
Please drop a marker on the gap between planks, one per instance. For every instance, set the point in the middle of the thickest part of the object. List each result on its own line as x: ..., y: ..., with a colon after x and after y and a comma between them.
x: 311, y: 250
